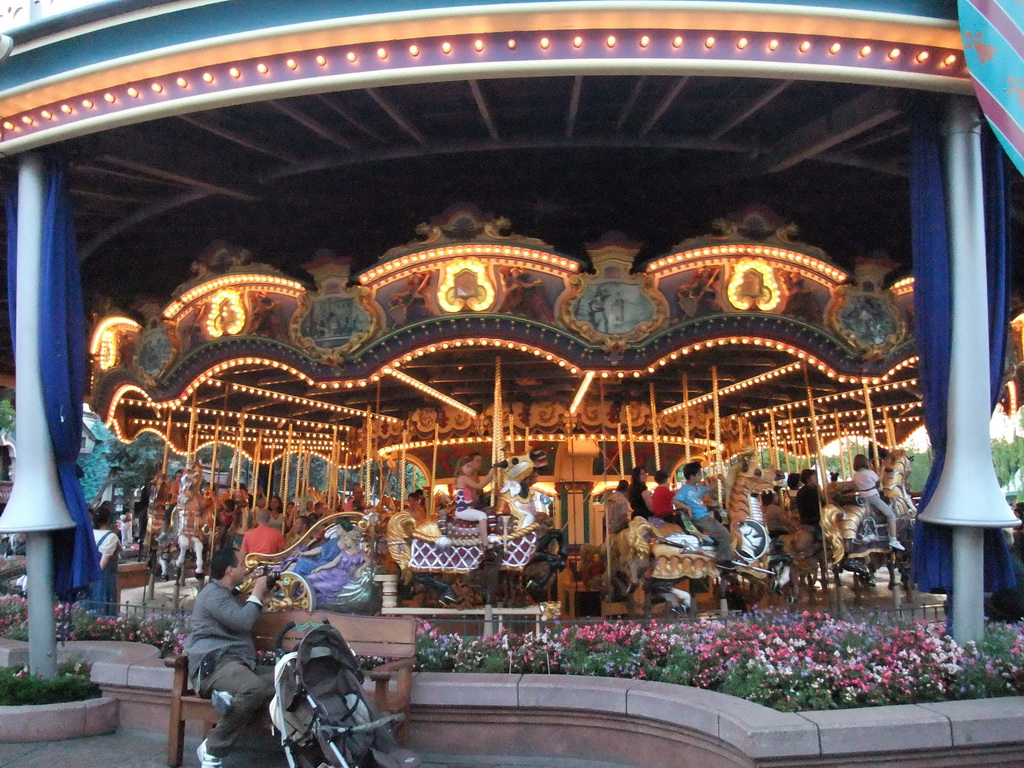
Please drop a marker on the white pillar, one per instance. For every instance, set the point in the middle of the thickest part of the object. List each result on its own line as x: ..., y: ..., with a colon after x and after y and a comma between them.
x: 36, y: 506
x: 968, y: 496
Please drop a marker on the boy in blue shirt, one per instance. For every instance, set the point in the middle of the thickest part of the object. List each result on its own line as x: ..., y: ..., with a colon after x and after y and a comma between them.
x: 690, y: 500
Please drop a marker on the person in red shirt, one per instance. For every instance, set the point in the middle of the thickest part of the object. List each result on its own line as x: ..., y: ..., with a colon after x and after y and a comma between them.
x: 264, y: 538
x: 661, y: 499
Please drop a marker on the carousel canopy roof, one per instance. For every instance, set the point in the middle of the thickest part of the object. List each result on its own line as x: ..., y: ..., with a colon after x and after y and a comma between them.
x: 656, y: 155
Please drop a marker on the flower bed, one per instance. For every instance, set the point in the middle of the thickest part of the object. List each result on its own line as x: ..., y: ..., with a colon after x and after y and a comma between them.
x: 790, y: 662
x: 76, y: 623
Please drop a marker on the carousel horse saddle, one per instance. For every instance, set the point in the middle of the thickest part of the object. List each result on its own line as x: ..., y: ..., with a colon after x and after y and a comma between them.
x: 453, y: 526
x: 685, y: 541
x: 847, y: 499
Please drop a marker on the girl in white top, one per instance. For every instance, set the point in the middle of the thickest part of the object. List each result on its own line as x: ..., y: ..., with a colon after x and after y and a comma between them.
x: 466, y: 486
x: 865, y: 480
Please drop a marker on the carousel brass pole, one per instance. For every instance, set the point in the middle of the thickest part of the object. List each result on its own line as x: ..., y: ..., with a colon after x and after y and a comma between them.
x: 686, y: 416
x: 333, y: 471
x: 213, y: 459
x: 792, y: 437
x: 257, y: 455
x: 367, y: 455
x: 871, y: 421
x: 433, y: 471
x: 629, y: 435
x: 191, y: 431
x: 654, y: 428
x: 718, y: 434
x: 306, y: 467
x: 839, y: 437
x: 824, y: 469
x: 286, y: 469
x: 890, y: 428
x: 817, y: 436
x: 775, y: 440
x: 497, y: 449
x: 167, y: 441
x: 373, y: 451
x: 604, y: 484
x: 344, y: 474
x: 401, y: 476
x: 270, y: 476
x: 622, y: 450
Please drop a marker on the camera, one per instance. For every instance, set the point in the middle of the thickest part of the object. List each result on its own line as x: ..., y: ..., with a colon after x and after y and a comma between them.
x: 272, y: 579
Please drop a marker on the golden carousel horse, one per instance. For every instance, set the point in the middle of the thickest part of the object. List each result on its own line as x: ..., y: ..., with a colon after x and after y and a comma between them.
x: 864, y: 540
x: 669, y: 554
x: 448, y: 546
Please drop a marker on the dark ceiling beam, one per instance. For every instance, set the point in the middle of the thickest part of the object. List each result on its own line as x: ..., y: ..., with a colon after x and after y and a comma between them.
x: 852, y: 161
x: 107, y: 196
x: 349, y: 118
x: 306, y: 121
x: 627, y: 108
x: 484, y: 109
x: 393, y: 112
x: 145, y: 214
x: 404, y: 152
x: 574, y: 105
x: 745, y: 112
x: 663, y: 106
x: 612, y: 141
x: 96, y: 170
x: 246, y: 142
x: 876, y: 137
x: 177, y: 177
x: 851, y: 119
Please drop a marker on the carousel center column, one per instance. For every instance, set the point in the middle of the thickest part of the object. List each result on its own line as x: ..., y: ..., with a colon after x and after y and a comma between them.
x: 968, y: 496
x: 36, y: 506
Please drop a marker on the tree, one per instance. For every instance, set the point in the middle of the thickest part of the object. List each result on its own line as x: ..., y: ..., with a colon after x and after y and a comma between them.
x: 136, y: 462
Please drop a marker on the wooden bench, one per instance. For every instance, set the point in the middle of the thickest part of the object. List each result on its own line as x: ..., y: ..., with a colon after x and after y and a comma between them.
x: 393, y: 638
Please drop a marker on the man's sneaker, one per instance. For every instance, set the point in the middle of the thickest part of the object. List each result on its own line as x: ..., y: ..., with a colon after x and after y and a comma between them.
x: 206, y: 760
x: 894, y: 543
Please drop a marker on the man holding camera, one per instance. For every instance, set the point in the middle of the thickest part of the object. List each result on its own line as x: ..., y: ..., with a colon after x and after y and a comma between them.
x: 222, y: 656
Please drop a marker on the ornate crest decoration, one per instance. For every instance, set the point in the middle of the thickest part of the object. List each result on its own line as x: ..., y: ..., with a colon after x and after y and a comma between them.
x: 466, y: 285
x: 158, y: 347
x: 225, y: 314
x: 109, y: 340
x: 864, y: 314
x: 753, y: 285
x: 613, y: 307
x: 337, y: 318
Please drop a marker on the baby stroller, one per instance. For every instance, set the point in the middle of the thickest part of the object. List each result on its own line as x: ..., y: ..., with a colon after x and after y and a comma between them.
x: 321, y: 712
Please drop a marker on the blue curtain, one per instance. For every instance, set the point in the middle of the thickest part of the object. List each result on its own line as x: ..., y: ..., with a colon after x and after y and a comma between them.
x: 62, y: 363
x: 932, y: 566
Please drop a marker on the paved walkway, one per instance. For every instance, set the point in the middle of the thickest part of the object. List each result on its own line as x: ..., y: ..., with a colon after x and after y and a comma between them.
x: 138, y: 749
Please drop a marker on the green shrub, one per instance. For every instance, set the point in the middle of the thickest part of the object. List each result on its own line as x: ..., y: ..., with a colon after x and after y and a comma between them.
x: 72, y: 683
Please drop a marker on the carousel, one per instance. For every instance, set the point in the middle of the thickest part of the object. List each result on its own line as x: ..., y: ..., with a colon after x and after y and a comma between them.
x: 363, y: 396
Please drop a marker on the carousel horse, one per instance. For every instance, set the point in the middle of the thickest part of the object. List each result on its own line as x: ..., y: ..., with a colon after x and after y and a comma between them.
x: 799, y: 561
x: 859, y: 543
x: 448, y: 545
x: 189, y: 514
x: 895, y: 484
x: 668, y: 553
x: 330, y: 568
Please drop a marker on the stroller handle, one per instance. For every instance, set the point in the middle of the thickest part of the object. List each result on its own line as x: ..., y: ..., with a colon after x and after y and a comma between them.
x: 279, y: 638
